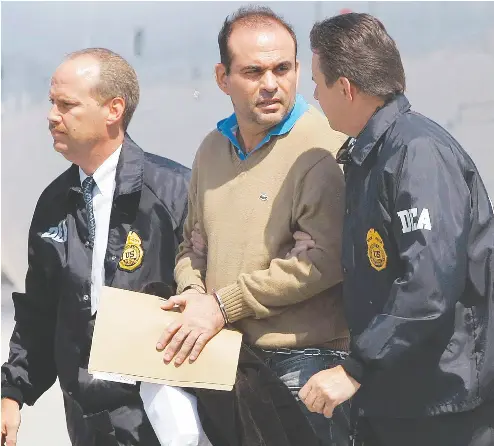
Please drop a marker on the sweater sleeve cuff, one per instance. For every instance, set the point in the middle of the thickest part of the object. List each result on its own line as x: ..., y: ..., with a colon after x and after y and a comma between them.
x: 235, y: 306
x: 354, y: 368
x: 13, y: 393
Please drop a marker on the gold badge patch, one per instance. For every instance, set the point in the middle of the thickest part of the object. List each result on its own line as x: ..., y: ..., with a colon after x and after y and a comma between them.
x: 375, y: 250
x: 132, y: 254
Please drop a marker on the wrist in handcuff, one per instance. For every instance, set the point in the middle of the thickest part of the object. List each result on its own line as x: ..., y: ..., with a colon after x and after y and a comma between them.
x: 221, y: 305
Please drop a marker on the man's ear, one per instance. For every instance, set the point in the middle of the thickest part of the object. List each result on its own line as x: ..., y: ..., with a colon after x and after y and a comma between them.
x: 297, y: 70
x: 347, y: 88
x: 222, y: 78
x: 116, y: 108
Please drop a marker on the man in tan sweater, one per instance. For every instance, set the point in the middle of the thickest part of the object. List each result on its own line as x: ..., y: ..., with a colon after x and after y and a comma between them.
x: 266, y: 172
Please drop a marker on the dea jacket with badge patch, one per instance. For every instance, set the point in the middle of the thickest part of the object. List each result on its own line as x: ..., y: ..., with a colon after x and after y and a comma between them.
x: 418, y: 262
x: 53, y: 331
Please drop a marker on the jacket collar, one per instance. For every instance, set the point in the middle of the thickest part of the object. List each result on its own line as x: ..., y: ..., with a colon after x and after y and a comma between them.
x: 129, y: 174
x: 130, y: 167
x: 377, y: 125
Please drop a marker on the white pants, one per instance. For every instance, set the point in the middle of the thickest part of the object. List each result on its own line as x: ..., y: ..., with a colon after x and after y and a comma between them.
x: 173, y: 415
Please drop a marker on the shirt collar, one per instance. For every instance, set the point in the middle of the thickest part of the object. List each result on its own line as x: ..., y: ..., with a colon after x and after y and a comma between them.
x: 228, y: 127
x: 104, y: 175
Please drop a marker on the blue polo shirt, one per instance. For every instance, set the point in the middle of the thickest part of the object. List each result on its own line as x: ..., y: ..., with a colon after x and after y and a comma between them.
x: 229, y: 126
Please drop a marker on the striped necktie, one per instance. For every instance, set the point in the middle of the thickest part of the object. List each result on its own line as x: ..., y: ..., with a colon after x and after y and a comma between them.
x: 87, y: 193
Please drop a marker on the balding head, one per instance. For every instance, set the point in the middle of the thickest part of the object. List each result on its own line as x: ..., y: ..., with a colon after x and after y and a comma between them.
x: 81, y: 72
x: 252, y: 17
x: 113, y: 75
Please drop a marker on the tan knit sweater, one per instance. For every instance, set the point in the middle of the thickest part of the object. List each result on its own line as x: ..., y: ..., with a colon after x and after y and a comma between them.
x: 248, y: 211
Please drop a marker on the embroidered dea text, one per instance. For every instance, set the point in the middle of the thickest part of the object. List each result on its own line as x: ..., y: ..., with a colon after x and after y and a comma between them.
x: 409, y: 221
x: 57, y: 233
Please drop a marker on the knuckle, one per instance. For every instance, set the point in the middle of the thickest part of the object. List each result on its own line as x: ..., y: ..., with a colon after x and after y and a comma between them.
x: 196, y: 350
x: 179, y: 339
x: 199, y: 346
x: 174, y: 345
x: 189, y: 343
x: 163, y: 340
x: 171, y: 350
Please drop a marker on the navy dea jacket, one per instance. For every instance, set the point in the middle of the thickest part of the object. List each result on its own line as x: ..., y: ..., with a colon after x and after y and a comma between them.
x: 54, y: 326
x: 418, y: 268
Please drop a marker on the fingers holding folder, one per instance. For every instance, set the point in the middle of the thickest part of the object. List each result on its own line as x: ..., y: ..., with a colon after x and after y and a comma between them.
x: 126, y: 344
x: 188, y: 334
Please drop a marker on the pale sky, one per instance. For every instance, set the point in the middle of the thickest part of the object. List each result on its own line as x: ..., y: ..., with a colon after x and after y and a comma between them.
x: 178, y: 35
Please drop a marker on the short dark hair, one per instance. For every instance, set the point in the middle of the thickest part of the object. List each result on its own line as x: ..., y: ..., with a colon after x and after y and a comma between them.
x: 252, y: 16
x: 117, y: 79
x: 357, y: 46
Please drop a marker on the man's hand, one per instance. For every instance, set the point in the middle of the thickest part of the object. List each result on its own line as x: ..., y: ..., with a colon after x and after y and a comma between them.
x: 198, y: 244
x: 327, y: 389
x: 303, y: 242
x: 11, y: 420
x: 200, y: 320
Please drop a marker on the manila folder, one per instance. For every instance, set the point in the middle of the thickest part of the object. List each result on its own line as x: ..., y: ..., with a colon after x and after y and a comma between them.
x: 127, y: 328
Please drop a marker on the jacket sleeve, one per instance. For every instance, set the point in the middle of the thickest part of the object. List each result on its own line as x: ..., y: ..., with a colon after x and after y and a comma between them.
x: 30, y: 369
x: 430, y: 217
x: 318, y: 210
x: 190, y: 268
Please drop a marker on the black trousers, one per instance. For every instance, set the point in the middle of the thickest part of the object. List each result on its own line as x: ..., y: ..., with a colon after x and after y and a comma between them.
x: 473, y: 428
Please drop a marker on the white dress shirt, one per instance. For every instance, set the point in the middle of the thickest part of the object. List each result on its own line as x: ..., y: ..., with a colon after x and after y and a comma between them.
x: 104, y: 188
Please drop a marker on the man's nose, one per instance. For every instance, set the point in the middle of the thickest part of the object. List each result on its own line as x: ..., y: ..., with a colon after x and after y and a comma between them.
x: 53, y: 115
x: 270, y: 81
